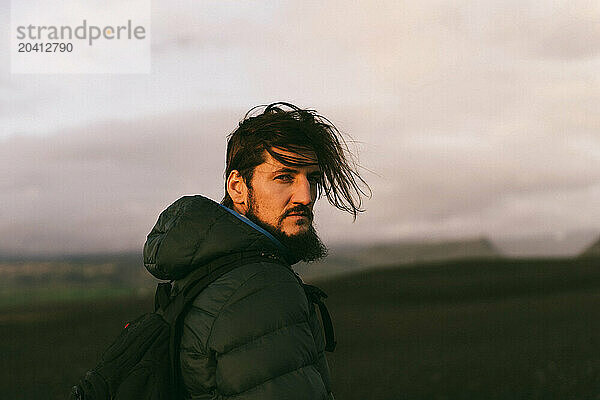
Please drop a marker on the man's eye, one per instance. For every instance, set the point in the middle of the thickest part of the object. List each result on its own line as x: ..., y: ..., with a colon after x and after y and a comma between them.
x: 285, y: 178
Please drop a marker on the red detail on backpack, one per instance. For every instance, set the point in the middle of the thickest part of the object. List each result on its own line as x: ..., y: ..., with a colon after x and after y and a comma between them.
x: 126, y: 325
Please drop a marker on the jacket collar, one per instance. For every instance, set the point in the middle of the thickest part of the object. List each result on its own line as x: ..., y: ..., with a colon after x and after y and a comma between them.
x: 195, y: 230
x: 285, y: 253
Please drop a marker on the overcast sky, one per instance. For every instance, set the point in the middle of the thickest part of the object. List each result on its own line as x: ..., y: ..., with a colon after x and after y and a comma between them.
x: 472, y: 118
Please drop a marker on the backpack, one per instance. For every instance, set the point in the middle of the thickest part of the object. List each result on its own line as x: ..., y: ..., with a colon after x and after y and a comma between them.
x: 143, y: 361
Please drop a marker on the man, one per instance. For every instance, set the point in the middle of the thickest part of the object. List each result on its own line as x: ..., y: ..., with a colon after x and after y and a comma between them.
x: 253, y: 333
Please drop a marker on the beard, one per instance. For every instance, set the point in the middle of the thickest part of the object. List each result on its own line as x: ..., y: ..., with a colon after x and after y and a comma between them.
x: 304, y: 246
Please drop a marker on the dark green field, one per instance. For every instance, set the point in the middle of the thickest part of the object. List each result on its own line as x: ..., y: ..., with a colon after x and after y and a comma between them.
x: 488, y: 329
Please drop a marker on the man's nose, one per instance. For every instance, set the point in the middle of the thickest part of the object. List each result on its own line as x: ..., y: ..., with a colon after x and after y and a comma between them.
x: 302, y: 192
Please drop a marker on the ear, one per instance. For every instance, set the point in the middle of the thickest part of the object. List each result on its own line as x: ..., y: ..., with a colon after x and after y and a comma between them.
x: 238, y: 191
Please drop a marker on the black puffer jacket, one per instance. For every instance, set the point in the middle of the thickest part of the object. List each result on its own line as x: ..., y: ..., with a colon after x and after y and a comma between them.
x: 252, y: 333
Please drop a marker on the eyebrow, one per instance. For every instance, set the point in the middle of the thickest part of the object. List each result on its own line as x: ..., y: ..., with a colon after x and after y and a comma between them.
x: 281, y: 170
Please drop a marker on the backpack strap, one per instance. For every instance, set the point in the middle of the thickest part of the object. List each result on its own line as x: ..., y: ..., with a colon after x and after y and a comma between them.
x: 314, y: 294
x: 174, y: 309
x: 162, y: 295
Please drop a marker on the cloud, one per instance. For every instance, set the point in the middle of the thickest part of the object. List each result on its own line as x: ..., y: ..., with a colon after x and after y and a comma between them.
x: 210, y: 25
x: 101, y: 187
x: 475, y: 118
x: 550, y: 30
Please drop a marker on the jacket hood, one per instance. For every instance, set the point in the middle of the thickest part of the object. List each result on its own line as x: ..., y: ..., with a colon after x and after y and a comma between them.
x: 195, y: 230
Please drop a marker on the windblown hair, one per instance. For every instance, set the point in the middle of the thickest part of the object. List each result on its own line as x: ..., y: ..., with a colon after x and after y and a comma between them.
x: 287, y: 127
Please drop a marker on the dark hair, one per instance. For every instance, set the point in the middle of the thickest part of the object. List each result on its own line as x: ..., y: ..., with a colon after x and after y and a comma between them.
x: 285, y: 126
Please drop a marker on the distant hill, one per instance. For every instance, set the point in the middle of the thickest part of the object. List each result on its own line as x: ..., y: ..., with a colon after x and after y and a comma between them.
x: 127, y: 257
x: 346, y: 259
x: 592, y: 251
x: 127, y: 269
x: 110, y: 269
x: 569, y: 244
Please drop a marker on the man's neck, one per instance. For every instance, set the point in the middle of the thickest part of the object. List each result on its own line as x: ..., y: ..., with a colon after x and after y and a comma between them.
x: 239, y: 211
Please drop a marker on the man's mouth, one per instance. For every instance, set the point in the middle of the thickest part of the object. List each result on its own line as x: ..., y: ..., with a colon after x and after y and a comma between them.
x: 299, y: 215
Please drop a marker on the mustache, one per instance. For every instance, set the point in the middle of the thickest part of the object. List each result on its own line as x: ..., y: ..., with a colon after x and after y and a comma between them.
x: 300, y: 209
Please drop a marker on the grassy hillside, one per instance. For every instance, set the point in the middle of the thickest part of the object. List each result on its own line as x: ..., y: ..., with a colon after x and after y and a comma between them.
x: 524, y: 329
x: 493, y: 329
x: 344, y: 259
x: 592, y: 251
x: 65, y: 278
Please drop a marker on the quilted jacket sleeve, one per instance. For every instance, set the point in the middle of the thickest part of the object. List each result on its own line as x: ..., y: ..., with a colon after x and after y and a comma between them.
x: 253, y: 335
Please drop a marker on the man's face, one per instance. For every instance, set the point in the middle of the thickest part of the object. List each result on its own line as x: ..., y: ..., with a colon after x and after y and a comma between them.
x: 284, y: 196
x: 281, y: 199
